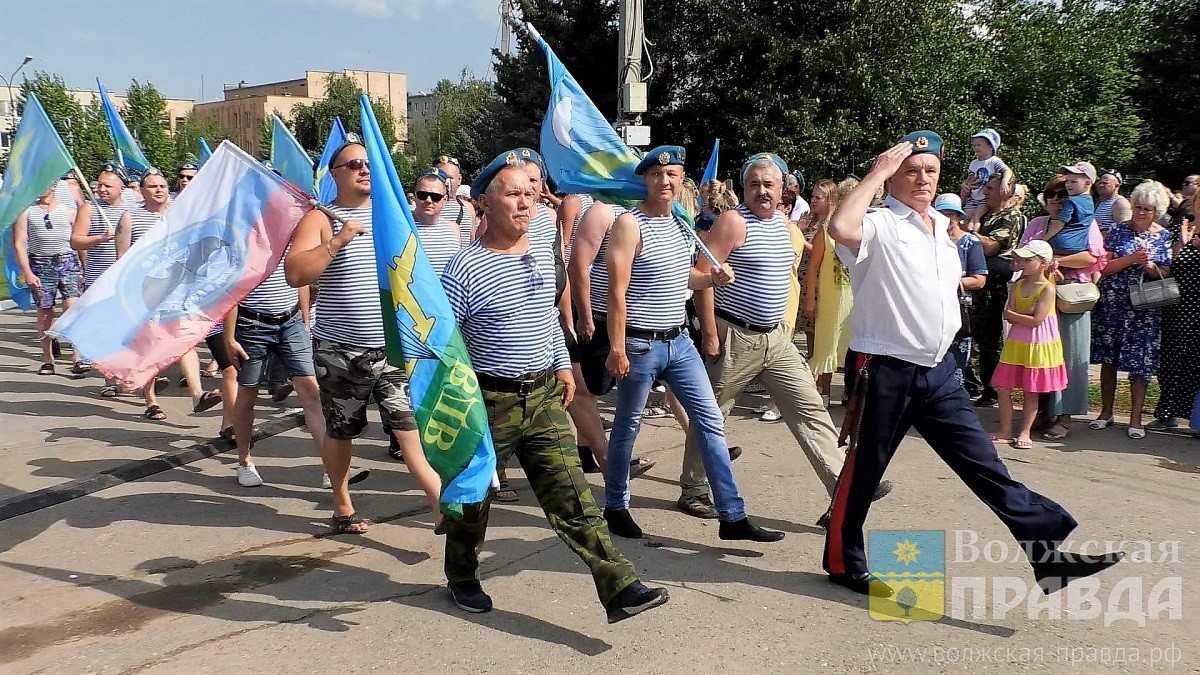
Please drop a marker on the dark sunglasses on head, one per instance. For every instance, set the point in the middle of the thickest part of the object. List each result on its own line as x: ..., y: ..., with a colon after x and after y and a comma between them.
x: 46, y: 220
x: 446, y: 159
x: 434, y: 197
x: 355, y: 164
x: 1189, y: 182
x: 1111, y: 172
x: 1060, y: 193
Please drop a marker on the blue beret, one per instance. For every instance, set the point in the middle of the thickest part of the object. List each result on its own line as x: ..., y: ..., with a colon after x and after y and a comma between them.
x: 783, y: 167
x: 530, y: 155
x: 485, y: 177
x: 663, y: 155
x: 925, y: 141
x: 438, y: 174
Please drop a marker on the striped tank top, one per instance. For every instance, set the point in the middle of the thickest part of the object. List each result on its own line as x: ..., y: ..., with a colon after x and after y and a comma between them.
x: 49, y: 232
x: 101, y: 256
x: 455, y: 212
x: 504, y: 305
x: 63, y: 195
x: 586, y: 202
x: 439, y: 243
x: 598, y: 272
x: 141, y: 221
x: 1103, y: 213
x: 763, y: 272
x: 658, y: 282
x: 273, y: 295
x: 350, y: 312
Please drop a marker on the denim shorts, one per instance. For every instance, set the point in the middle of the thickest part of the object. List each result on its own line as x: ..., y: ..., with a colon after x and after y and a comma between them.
x: 289, y: 342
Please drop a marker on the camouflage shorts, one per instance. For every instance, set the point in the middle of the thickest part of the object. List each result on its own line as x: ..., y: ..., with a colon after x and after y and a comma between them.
x: 349, y: 377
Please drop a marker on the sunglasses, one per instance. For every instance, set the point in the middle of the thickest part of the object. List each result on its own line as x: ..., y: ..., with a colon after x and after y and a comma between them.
x: 185, y: 177
x: 1189, y: 182
x: 1111, y: 172
x: 434, y: 197
x: 46, y: 220
x: 1057, y: 194
x: 535, y: 275
x: 355, y: 164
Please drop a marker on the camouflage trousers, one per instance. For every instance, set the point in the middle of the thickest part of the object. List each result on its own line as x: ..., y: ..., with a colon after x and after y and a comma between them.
x: 535, y: 429
x: 987, y: 328
x: 349, y: 377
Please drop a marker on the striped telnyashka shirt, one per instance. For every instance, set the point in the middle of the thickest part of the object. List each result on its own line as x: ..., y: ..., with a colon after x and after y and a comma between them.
x: 598, y: 272
x: 349, y: 299
x: 763, y: 271
x: 1103, y: 213
x: 141, y: 221
x: 274, y: 296
x: 586, y: 202
x: 48, y: 241
x: 455, y: 212
x: 101, y: 256
x: 504, y: 305
x: 658, y: 283
x: 439, y: 243
x: 63, y: 195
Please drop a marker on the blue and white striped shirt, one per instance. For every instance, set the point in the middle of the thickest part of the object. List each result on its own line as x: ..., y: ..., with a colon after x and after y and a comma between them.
x: 273, y: 295
x: 439, y: 243
x: 1103, y: 213
x: 658, y: 282
x: 349, y: 298
x: 102, y: 256
x: 763, y: 271
x: 49, y: 241
x: 598, y: 272
x: 504, y: 305
x: 455, y: 212
x: 141, y: 221
x: 586, y: 202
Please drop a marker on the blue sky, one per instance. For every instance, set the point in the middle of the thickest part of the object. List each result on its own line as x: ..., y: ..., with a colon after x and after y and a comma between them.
x: 172, y: 43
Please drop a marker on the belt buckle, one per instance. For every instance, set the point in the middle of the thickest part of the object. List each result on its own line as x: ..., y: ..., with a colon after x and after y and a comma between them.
x: 526, y: 387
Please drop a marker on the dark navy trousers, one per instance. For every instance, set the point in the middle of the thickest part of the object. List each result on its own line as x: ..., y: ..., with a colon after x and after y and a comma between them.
x: 901, y: 395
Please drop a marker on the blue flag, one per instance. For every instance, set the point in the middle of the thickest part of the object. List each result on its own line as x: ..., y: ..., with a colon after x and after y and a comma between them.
x: 710, y: 171
x: 36, y: 161
x: 129, y: 154
x: 421, y: 335
x: 326, y: 188
x: 289, y: 158
x: 205, y: 152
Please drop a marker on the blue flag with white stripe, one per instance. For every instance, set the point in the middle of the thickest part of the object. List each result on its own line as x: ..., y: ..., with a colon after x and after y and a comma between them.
x: 289, y: 158
x: 129, y: 153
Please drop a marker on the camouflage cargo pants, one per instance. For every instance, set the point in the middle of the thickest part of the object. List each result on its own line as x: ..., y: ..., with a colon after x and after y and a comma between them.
x: 987, y: 327
x: 535, y: 429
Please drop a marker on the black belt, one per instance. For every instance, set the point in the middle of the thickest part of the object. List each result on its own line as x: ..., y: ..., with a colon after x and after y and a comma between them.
x: 263, y: 317
x: 523, y: 385
x: 53, y: 258
x: 660, y: 335
x: 743, y: 324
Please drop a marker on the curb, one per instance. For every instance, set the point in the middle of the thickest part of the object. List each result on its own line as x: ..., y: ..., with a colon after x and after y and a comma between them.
x: 6, y: 305
x: 130, y: 471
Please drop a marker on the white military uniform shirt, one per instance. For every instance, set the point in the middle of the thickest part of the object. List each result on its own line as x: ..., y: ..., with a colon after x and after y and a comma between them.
x: 905, y: 282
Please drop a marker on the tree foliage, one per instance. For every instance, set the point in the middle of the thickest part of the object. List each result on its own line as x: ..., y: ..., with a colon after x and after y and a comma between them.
x: 1167, y: 90
x: 189, y: 132
x: 312, y: 121
x: 145, y: 113
x: 467, y: 125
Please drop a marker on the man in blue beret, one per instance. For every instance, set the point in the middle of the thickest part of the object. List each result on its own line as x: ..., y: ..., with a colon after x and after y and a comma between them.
x: 905, y: 274
x: 650, y: 271
x: 501, y: 290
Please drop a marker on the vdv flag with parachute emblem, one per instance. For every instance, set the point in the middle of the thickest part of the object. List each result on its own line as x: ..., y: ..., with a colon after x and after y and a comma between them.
x: 129, y: 154
x: 205, y: 152
x: 36, y: 160
x: 710, y: 171
x: 288, y: 157
x: 326, y: 189
x: 219, y: 240
x: 421, y: 335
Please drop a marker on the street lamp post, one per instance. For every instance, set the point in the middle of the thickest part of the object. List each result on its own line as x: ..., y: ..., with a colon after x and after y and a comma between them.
x: 12, y: 101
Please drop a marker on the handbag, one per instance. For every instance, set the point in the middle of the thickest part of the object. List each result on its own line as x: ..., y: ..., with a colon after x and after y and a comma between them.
x: 1076, y: 297
x: 1161, y: 292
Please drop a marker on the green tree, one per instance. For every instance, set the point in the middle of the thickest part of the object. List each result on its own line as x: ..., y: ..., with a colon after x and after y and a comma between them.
x: 191, y: 130
x: 1166, y: 94
x: 466, y: 126
x: 93, y: 142
x: 145, y: 113
x: 63, y: 110
x: 311, y: 122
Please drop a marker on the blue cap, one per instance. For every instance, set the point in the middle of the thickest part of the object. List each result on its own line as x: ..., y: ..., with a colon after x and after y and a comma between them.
x: 438, y: 174
x: 991, y: 136
x: 783, y: 167
x: 663, y: 155
x: 488, y: 174
x: 925, y: 141
x: 530, y: 155
x: 949, y: 202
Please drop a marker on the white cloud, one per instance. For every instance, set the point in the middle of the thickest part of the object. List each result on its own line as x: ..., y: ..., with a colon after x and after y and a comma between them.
x: 413, y: 9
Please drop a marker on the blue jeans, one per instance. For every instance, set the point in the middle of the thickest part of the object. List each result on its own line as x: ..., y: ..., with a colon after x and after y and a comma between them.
x: 289, y: 342
x: 679, y: 365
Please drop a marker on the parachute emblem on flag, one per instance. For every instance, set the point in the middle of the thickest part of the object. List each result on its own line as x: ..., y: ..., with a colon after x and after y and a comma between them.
x: 414, y: 338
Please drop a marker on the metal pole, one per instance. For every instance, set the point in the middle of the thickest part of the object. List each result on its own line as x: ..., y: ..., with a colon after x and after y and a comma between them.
x: 12, y: 101
x: 629, y: 53
x: 506, y: 12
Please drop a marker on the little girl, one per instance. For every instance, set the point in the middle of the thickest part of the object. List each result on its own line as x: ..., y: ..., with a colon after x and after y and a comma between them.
x: 1032, y: 359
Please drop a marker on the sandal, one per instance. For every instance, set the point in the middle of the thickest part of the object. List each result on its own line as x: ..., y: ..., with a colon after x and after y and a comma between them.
x: 1136, y: 433
x: 656, y: 412
x: 226, y: 435
x: 80, y: 368
x: 639, y: 466
x: 997, y: 438
x: 109, y: 391
x: 1023, y: 444
x: 1101, y: 423
x: 505, y: 494
x: 207, y: 400
x: 394, y: 448
x: 46, y: 369
x: 154, y: 412
x: 350, y: 524
x: 1057, y: 432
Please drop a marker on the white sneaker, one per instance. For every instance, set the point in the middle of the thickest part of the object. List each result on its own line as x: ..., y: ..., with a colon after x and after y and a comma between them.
x: 356, y: 476
x: 248, y: 476
x: 770, y: 416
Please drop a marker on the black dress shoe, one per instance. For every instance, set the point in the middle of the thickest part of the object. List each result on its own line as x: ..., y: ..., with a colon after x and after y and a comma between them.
x: 587, y: 460
x: 469, y: 596
x: 1062, y: 568
x: 863, y: 584
x: 735, y: 452
x: 633, y: 600
x: 987, y: 400
x: 744, y: 530
x: 880, y: 492
x: 698, y: 507
x: 55, y: 348
x: 823, y: 521
x: 621, y: 523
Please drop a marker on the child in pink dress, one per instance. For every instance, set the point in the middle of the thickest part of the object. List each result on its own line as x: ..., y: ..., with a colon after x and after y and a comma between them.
x: 1032, y: 359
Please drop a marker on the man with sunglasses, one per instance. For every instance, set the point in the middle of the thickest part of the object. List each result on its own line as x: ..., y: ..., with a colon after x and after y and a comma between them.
x: 348, y: 342
x: 439, y: 239
x: 502, y: 293
x: 1108, y: 195
x: 184, y: 174
x: 457, y: 210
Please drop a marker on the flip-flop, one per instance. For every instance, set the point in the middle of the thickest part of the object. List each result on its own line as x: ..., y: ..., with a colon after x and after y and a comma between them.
x: 207, y: 400
x: 639, y: 466
x: 506, y: 495
x: 350, y: 524
x: 154, y: 412
x: 656, y: 412
x: 1136, y: 434
x: 1102, y: 423
x: 46, y: 369
x: 1057, y: 432
x: 109, y: 391
x: 996, y: 438
x: 1022, y: 443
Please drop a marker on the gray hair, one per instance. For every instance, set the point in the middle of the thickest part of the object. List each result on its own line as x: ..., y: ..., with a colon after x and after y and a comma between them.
x: 765, y: 162
x: 1151, y: 193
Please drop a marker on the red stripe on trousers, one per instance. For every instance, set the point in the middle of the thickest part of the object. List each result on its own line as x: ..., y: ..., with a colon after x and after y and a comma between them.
x: 837, y: 564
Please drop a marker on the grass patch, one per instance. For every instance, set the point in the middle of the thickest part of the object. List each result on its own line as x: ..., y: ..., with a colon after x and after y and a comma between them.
x: 3, y: 287
x: 1122, y: 400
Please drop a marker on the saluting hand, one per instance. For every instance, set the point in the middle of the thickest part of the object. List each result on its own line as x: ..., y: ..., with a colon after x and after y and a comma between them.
x: 568, y: 380
x: 722, y: 275
x: 617, y: 363
x: 889, y: 162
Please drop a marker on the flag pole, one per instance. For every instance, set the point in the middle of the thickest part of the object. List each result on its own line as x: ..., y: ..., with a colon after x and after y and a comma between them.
x: 87, y: 190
